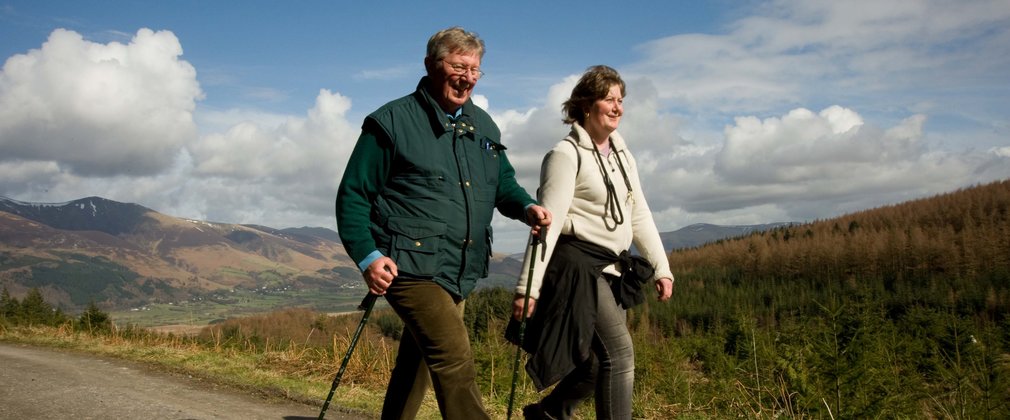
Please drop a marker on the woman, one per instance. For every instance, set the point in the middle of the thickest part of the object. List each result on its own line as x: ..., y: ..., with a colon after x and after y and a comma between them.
x: 578, y: 333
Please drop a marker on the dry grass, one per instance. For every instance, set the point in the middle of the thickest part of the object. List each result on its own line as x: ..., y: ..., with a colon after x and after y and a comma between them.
x: 295, y: 353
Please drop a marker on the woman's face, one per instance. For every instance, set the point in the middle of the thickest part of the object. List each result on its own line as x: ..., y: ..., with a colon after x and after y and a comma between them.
x: 605, y: 114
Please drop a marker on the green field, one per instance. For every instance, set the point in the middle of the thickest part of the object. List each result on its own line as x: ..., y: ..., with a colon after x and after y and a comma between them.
x: 203, y: 311
x: 224, y: 305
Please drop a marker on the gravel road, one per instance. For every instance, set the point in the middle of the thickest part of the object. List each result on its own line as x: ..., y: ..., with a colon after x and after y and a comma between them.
x: 37, y: 383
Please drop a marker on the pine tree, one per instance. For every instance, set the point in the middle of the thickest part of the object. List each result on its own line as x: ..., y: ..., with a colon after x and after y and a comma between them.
x: 94, y: 320
x: 9, y: 307
x: 34, y: 309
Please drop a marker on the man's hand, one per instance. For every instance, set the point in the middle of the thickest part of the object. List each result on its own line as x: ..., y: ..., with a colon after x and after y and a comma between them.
x: 517, y: 307
x: 379, y: 275
x: 538, y: 218
x: 664, y: 287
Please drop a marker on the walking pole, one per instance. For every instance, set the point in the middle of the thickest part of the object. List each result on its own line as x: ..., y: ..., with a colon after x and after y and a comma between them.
x: 366, y: 304
x: 522, y: 324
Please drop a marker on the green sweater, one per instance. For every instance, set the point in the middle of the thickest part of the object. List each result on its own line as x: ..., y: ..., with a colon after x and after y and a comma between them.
x: 421, y: 188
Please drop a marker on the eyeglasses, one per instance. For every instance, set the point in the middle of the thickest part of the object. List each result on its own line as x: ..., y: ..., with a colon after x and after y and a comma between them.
x: 463, y: 70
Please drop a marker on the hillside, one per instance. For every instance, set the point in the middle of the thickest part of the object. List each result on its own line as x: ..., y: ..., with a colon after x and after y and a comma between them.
x: 505, y: 268
x: 961, y: 234
x: 120, y: 254
x: 901, y: 311
x: 123, y: 255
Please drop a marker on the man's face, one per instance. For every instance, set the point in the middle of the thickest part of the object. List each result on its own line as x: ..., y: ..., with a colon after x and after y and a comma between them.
x: 453, y: 78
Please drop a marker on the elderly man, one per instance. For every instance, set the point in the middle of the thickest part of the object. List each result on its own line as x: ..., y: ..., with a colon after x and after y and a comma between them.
x: 414, y: 210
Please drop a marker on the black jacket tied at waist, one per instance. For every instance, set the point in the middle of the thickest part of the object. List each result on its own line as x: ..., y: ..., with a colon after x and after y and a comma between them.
x: 635, y: 271
x: 559, y: 334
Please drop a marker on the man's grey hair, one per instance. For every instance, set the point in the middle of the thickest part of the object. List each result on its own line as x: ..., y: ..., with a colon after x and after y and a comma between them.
x: 454, y: 40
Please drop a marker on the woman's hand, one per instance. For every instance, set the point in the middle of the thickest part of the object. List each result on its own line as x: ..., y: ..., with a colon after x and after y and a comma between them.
x: 517, y: 307
x: 664, y: 287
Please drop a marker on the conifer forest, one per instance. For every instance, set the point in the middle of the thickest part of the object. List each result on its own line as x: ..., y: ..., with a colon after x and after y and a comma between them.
x: 895, y: 312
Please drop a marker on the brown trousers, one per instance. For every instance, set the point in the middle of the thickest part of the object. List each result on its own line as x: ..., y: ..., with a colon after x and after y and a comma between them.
x: 434, y: 349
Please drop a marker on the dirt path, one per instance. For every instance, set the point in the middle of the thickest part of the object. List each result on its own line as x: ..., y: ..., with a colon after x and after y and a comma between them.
x: 38, y: 383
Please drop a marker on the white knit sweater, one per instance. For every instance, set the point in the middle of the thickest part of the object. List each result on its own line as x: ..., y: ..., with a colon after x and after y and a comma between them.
x: 577, y: 204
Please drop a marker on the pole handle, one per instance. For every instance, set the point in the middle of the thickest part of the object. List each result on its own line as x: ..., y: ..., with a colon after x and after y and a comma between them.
x: 368, y: 301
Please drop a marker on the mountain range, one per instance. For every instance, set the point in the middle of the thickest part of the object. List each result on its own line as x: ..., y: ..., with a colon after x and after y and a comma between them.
x: 122, y: 254
x: 702, y: 233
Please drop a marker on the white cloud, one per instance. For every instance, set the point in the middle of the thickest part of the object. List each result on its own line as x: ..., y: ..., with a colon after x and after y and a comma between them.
x: 216, y: 121
x: 79, y: 118
x: 299, y: 147
x: 889, y: 57
x: 530, y: 133
x: 810, y: 166
x: 480, y: 100
x: 282, y: 174
x: 98, y: 109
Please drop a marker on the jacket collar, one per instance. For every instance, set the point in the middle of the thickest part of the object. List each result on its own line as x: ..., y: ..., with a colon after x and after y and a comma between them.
x: 581, y: 137
x: 441, y: 122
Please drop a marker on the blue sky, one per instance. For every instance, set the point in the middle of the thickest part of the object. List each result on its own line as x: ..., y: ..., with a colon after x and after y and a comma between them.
x: 739, y: 112
x: 276, y: 55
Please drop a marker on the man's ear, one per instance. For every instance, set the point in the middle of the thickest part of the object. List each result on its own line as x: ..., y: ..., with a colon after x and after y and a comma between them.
x: 429, y: 64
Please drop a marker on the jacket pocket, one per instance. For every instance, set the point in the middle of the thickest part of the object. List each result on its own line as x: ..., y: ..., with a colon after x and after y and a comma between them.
x: 415, y: 244
x: 490, y: 162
